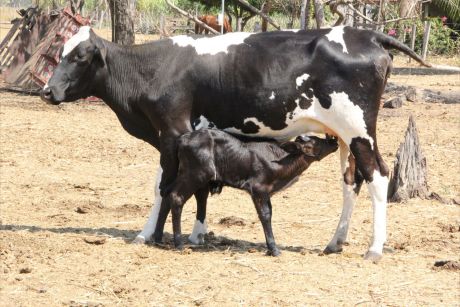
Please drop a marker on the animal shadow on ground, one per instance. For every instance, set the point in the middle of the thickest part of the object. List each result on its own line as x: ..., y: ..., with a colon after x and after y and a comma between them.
x: 212, y: 243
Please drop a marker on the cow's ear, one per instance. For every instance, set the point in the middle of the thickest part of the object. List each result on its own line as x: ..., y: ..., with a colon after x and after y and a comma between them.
x: 291, y: 147
x: 100, y: 52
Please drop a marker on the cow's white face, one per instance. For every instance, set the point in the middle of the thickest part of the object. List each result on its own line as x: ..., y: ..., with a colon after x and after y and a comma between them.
x: 74, y: 76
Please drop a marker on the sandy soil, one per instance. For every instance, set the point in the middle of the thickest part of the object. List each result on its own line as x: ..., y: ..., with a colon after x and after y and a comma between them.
x: 57, y: 162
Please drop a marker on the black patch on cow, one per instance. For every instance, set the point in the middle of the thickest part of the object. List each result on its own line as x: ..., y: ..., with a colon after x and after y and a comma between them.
x: 364, y: 156
x: 250, y: 127
x: 324, y: 99
x: 305, y: 103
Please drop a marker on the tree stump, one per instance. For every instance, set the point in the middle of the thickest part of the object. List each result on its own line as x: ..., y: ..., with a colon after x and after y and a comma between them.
x: 409, y: 178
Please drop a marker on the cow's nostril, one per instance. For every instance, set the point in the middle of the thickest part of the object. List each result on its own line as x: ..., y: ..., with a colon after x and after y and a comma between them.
x: 46, y: 92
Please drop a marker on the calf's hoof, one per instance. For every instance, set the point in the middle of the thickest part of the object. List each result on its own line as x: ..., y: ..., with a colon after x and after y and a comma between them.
x: 196, y: 240
x: 273, y: 252
x: 373, y: 256
x: 332, y: 249
x: 138, y: 240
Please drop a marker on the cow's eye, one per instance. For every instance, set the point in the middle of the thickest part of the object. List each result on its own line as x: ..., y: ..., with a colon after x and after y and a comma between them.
x: 79, y: 57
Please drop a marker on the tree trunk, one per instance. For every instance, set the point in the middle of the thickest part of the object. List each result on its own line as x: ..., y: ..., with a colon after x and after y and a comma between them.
x: 319, y: 14
x: 304, y: 14
x: 409, y: 179
x: 407, y: 8
x: 266, y: 10
x: 122, y: 12
x: 346, y: 12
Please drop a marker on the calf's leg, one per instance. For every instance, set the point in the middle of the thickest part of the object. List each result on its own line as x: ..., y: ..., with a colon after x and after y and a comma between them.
x: 200, y: 228
x: 264, y: 210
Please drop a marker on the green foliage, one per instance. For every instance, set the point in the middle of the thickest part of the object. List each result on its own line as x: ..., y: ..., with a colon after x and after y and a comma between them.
x: 443, y: 40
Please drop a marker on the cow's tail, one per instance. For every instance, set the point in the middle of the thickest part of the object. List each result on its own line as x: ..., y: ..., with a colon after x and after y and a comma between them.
x: 389, y: 42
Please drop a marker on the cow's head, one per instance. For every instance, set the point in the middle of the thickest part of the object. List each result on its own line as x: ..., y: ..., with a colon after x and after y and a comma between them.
x: 82, y: 60
x: 311, y: 146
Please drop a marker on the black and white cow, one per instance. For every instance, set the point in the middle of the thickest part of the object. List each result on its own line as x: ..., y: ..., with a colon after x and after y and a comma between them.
x: 273, y: 84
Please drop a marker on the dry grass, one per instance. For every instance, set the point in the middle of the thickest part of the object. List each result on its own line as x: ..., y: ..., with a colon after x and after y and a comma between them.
x: 56, y: 159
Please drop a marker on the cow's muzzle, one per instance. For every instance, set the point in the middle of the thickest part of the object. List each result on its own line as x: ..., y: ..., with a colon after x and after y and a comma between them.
x: 47, y: 96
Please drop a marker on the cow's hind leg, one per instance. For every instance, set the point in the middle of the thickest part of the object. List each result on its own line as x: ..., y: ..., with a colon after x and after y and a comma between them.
x: 200, y: 227
x: 375, y: 172
x: 351, y: 183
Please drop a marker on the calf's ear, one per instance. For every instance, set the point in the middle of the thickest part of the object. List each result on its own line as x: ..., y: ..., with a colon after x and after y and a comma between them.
x: 291, y: 147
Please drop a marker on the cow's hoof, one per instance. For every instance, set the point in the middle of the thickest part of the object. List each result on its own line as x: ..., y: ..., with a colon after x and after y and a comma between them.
x: 138, y: 240
x: 332, y: 249
x: 196, y: 240
x: 373, y: 256
x: 274, y: 252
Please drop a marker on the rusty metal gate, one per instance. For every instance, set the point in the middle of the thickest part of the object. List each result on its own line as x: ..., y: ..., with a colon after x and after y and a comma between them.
x: 30, y: 51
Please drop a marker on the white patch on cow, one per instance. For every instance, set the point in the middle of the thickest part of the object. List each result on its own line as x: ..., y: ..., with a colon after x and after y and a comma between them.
x: 149, y: 227
x: 291, y: 30
x: 211, y: 45
x: 304, y: 95
x: 336, y: 35
x: 305, y: 137
x: 204, y: 123
x: 301, y: 79
x: 46, y: 86
x: 81, y: 36
x: 272, y: 96
x: 378, y: 189
x: 199, y: 230
x: 346, y: 117
x: 344, y: 152
x: 343, y: 118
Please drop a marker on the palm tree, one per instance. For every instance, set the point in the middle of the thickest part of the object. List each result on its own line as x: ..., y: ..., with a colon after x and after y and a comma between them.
x: 450, y: 7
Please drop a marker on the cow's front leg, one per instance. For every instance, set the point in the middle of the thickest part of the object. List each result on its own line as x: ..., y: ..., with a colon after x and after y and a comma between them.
x: 151, y: 224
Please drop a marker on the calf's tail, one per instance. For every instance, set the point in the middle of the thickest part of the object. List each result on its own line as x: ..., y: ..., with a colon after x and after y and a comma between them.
x: 389, y: 42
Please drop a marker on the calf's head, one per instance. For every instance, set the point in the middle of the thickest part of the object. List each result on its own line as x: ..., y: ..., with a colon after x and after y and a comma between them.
x: 311, y: 146
x: 82, y: 60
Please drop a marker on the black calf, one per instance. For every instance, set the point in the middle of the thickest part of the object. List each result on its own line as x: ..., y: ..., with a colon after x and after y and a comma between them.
x: 259, y: 167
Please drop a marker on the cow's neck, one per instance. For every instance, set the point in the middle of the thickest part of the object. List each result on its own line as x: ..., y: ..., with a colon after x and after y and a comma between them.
x: 120, y: 81
x: 119, y: 84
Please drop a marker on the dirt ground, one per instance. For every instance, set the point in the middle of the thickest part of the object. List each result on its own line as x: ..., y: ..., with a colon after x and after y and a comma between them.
x: 71, y: 177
